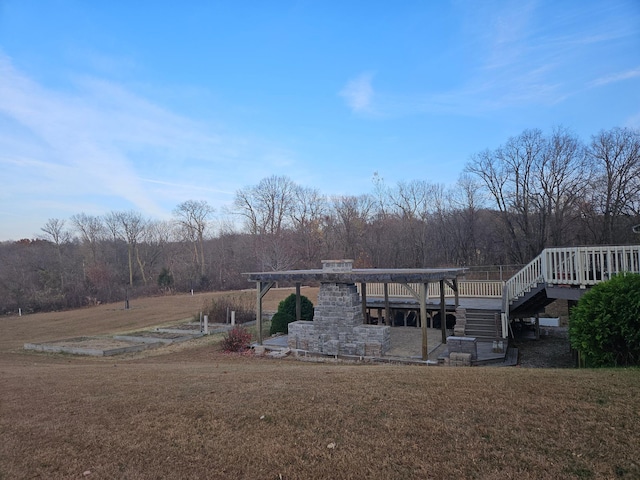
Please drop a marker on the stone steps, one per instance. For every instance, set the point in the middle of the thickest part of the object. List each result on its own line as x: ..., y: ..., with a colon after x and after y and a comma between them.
x: 481, y: 324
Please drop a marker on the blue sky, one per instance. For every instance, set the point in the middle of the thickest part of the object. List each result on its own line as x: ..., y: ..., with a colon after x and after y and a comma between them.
x: 141, y: 105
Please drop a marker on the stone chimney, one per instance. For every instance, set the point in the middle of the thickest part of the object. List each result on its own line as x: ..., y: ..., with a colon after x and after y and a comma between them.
x: 336, y: 266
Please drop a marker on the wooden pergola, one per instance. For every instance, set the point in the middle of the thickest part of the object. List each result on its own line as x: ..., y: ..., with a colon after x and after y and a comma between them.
x: 421, y: 276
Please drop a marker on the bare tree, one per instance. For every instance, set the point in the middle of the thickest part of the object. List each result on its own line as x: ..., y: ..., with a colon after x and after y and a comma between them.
x: 153, y: 243
x: 616, y: 157
x: 418, y: 205
x: 266, y: 207
x: 352, y: 215
x: 521, y: 155
x: 130, y: 227
x: 194, y: 216
x: 91, y: 231
x: 307, y: 214
x: 382, y: 195
x: 562, y: 175
x: 462, y: 220
x: 56, y: 233
x: 509, y: 176
x: 267, y: 211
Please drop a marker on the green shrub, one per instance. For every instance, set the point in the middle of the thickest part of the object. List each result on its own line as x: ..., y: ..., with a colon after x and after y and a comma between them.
x: 605, y: 324
x: 287, y: 313
x: 165, y: 279
x: 237, y: 339
x: 280, y: 323
x: 288, y: 305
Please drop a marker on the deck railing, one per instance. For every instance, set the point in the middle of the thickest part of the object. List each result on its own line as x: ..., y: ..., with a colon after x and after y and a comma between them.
x: 471, y: 289
x: 577, y: 266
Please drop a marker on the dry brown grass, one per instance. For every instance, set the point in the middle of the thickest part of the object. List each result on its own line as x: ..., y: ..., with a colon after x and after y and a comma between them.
x: 193, y: 412
x: 113, y: 318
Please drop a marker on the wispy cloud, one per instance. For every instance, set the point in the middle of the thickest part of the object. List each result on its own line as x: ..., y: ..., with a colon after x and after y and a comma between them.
x: 78, y: 134
x: 358, y: 93
x: 616, y: 77
x: 522, y: 58
x: 185, y: 186
x: 95, y: 139
x: 633, y: 121
x: 94, y: 146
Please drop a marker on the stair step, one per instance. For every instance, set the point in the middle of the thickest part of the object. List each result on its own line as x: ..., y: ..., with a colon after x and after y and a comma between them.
x: 481, y: 332
x: 481, y: 325
x: 483, y: 338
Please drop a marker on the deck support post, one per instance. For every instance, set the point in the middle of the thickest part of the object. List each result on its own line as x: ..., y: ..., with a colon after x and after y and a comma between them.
x: 424, y: 289
x: 262, y: 289
x: 443, y: 313
x: 363, y: 297
x: 387, y: 308
x: 457, y: 294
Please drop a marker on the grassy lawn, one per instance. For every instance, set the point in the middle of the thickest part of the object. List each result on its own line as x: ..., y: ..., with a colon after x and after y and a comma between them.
x: 191, y: 411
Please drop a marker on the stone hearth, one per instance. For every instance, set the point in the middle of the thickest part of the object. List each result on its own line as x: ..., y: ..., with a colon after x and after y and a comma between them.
x: 338, y: 325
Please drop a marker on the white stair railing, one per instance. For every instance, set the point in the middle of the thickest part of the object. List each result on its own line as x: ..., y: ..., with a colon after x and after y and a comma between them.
x: 575, y: 266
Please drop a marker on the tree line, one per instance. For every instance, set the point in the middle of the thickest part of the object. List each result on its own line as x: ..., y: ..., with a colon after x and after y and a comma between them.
x: 535, y: 191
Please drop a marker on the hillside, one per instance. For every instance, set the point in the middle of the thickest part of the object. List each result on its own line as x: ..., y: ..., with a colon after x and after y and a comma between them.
x: 194, y: 412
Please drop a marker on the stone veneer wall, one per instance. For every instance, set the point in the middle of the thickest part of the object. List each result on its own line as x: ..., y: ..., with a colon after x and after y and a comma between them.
x: 463, y: 345
x: 338, y: 326
x: 461, y: 322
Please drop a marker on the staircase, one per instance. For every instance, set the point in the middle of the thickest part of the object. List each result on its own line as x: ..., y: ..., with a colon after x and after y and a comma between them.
x: 564, y: 273
x: 482, y: 325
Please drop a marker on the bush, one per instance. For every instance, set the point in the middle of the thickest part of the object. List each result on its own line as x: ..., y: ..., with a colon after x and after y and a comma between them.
x: 280, y: 323
x: 605, y: 324
x: 237, y: 339
x: 287, y: 313
x: 243, y: 305
x: 165, y: 279
x: 288, y: 305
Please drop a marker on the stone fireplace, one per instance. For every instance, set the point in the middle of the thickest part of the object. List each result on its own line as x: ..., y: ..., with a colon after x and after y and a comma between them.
x: 338, y: 325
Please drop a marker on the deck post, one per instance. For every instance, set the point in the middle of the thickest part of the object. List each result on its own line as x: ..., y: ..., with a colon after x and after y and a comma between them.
x: 262, y: 289
x: 443, y: 313
x: 455, y: 290
x: 387, y: 308
x: 424, y: 288
x: 363, y: 295
x: 259, y: 311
